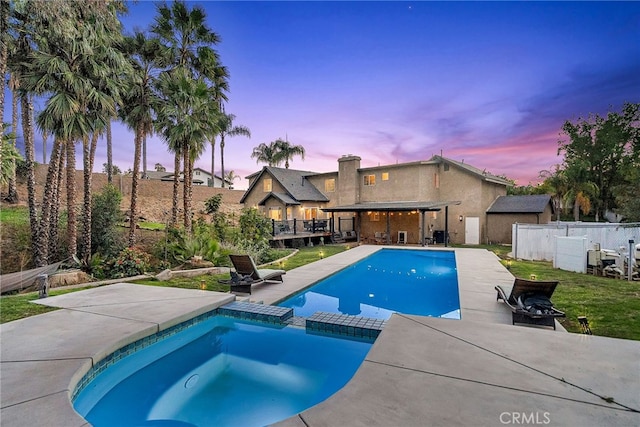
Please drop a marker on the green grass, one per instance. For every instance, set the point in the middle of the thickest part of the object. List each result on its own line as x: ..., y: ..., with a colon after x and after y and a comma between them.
x: 308, y: 255
x: 14, y: 215
x: 148, y: 225
x: 612, y: 306
x: 14, y: 307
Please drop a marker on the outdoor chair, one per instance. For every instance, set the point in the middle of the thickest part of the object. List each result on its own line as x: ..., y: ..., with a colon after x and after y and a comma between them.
x: 530, y: 302
x: 240, y: 283
x: 245, y: 266
x: 380, y: 238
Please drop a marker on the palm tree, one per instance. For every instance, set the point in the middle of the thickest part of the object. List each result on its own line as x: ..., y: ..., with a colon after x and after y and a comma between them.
x: 555, y: 183
x: 580, y: 189
x: 81, y: 67
x: 5, y: 39
x: 146, y: 55
x: 109, y: 154
x: 227, y: 128
x: 12, y: 190
x: 184, y: 123
x: 17, y: 63
x: 185, y: 33
x: 285, y: 151
x: 220, y: 86
x: 266, y: 153
x: 231, y: 177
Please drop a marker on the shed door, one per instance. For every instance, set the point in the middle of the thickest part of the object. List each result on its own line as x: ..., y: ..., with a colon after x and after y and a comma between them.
x: 472, y: 230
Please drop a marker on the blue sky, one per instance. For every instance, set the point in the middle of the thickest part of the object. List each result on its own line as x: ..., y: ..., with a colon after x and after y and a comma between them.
x: 490, y: 83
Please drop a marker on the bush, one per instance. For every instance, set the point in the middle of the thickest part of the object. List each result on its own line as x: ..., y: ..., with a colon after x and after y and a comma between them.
x: 130, y: 262
x: 106, y: 236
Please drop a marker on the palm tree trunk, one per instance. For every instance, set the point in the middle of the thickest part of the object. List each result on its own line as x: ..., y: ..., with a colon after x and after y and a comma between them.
x: 176, y: 185
x: 87, y: 149
x: 4, y: 52
x: 29, y: 156
x: 213, y: 162
x: 109, y: 154
x: 72, y: 225
x: 186, y: 196
x: 144, y: 156
x: 12, y: 190
x: 50, y: 188
x: 58, y: 148
x: 133, y: 218
x: 45, y: 136
x: 222, y: 158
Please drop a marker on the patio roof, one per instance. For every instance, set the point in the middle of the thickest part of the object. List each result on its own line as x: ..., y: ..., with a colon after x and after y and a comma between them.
x: 393, y: 206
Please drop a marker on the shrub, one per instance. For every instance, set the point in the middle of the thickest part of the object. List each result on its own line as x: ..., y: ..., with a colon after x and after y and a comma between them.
x: 106, y: 237
x: 130, y: 262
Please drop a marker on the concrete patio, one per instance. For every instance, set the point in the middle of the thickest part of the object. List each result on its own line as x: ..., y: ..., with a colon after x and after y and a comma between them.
x: 421, y: 371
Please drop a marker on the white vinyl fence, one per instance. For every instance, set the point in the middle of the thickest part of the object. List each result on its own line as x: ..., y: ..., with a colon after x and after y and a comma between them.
x: 537, y: 242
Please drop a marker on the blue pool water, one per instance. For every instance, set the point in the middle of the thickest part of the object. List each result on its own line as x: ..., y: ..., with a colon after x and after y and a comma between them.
x: 221, y: 372
x: 422, y: 282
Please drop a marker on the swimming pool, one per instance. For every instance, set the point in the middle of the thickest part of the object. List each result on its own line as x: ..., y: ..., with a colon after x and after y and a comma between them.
x: 222, y: 372
x: 422, y: 282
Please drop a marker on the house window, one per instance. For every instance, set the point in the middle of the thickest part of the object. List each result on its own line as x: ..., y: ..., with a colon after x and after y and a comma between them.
x: 436, y: 180
x: 385, y: 176
x: 446, y: 167
x: 329, y: 185
x: 310, y: 213
x: 197, y: 172
x: 267, y: 185
x: 375, y: 216
x: 369, y: 180
x: 275, y: 213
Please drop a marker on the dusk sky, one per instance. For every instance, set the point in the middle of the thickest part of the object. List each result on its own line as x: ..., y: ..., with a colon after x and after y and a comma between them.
x: 490, y: 83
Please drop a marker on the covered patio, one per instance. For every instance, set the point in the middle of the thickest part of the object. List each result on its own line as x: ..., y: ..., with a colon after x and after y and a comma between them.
x: 388, y: 209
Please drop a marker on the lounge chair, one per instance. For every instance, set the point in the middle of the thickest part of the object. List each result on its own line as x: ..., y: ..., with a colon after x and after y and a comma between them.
x: 530, y: 302
x: 245, y: 266
x: 240, y: 283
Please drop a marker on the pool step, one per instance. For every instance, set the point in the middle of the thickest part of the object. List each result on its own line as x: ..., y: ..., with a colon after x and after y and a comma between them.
x: 342, y: 324
x: 259, y: 312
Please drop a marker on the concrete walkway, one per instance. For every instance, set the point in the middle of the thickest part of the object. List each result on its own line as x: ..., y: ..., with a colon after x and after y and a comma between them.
x: 421, y: 371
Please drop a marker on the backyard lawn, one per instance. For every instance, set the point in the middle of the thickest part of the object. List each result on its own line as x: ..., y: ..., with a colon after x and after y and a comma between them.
x: 611, y: 306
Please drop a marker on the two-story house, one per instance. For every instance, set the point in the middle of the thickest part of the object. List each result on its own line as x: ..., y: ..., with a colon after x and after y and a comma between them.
x: 407, y: 202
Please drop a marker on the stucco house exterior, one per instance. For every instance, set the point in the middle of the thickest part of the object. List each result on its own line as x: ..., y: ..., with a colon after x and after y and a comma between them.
x: 507, y: 210
x: 407, y: 202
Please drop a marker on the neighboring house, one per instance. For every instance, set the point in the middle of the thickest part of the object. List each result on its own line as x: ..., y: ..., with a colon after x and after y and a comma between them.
x: 507, y: 210
x: 200, y: 177
x: 417, y: 199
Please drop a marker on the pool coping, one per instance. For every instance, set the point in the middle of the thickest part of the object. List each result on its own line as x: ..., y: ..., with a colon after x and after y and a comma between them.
x: 93, y: 323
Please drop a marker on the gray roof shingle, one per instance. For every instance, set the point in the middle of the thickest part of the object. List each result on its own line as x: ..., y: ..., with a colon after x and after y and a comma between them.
x: 294, y: 182
x: 520, y: 204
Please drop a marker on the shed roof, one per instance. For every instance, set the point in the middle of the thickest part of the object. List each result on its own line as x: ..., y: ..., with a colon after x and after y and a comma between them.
x: 536, y: 203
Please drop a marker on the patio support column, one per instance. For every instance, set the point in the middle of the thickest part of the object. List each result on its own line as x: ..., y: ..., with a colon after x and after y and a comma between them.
x: 358, y: 226
x: 446, y: 225
x: 422, y: 224
x: 388, y: 227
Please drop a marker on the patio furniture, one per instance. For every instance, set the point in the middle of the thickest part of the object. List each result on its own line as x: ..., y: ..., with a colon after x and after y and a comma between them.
x: 530, y: 302
x: 245, y: 266
x: 240, y: 283
x: 380, y: 238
